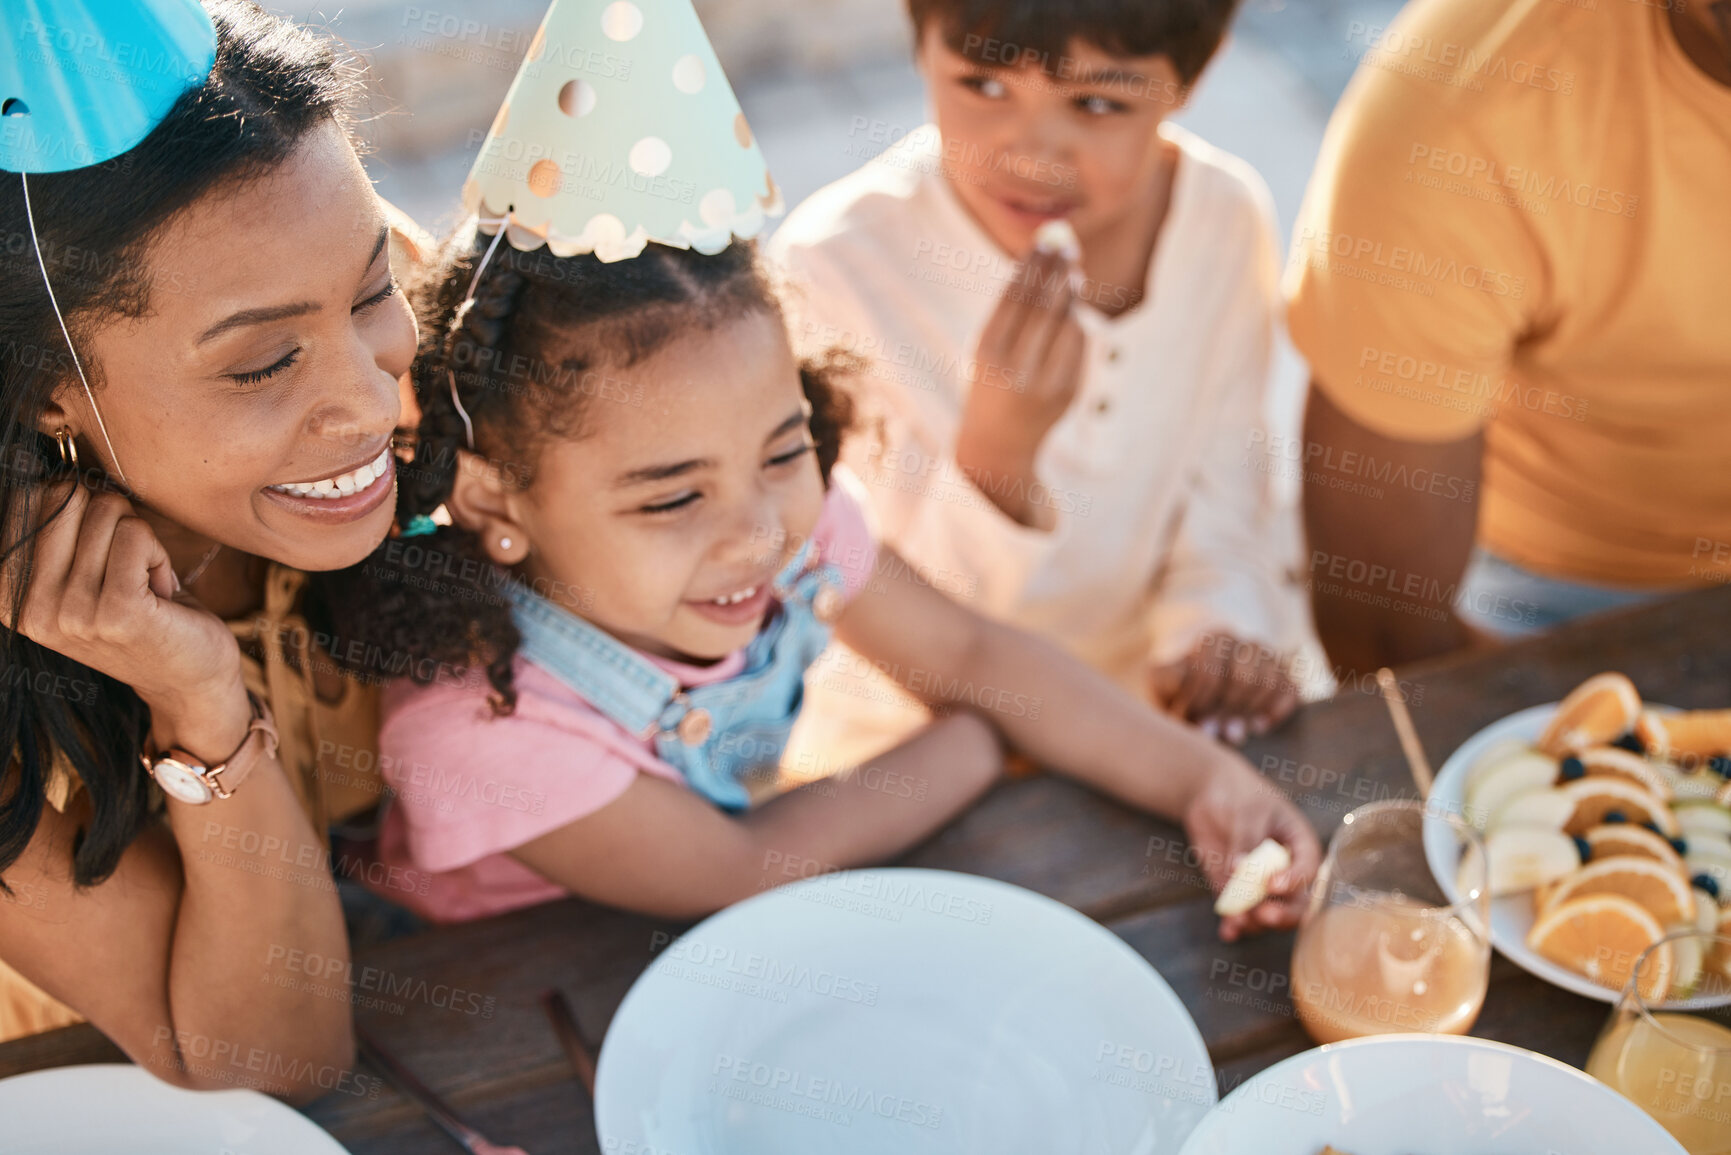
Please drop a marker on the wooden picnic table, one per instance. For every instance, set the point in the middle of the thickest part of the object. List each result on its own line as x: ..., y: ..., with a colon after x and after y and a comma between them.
x: 466, y: 1013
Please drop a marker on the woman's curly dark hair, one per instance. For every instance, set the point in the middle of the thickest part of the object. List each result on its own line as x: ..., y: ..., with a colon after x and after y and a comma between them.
x: 436, y: 603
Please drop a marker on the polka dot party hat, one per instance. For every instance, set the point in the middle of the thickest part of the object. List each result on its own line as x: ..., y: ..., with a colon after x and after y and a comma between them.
x: 621, y: 129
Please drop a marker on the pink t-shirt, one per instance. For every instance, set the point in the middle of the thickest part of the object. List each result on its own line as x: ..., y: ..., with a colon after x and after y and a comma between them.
x: 471, y: 787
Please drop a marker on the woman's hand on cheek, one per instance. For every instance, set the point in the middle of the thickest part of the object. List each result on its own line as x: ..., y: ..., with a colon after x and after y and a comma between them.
x: 103, y: 593
x: 1229, y: 817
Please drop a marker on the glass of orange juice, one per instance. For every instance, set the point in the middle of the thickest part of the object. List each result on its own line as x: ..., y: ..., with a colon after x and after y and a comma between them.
x: 1383, y: 948
x: 1676, y: 1063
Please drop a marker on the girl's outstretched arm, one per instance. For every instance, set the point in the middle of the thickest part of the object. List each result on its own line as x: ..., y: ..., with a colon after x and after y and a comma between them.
x: 1068, y: 716
x: 661, y: 849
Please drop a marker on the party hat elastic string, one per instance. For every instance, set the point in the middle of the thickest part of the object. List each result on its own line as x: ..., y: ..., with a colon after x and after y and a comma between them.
x: 457, y: 321
x: 77, y: 363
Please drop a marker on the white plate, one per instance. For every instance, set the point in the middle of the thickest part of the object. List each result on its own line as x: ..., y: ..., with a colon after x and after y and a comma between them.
x: 1418, y: 1094
x: 109, y: 1108
x: 905, y: 1011
x: 1511, y: 915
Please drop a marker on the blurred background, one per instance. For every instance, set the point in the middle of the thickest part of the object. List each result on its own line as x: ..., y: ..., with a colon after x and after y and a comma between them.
x: 826, y: 85
x: 822, y: 82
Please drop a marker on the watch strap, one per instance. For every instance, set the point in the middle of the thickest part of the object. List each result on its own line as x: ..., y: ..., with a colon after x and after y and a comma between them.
x: 259, y: 744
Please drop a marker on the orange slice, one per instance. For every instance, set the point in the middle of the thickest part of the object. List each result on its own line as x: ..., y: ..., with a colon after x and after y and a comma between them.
x: 1599, y: 709
x: 1686, y: 734
x: 1602, y: 795
x: 1662, y: 891
x: 1651, y: 731
x: 1612, y: 762
x: 1542, y: 895
x: 1622, y: 839
x: 1600, y: 936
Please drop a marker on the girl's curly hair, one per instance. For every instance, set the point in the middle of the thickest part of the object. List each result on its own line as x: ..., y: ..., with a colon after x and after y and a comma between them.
x: 433, y: 607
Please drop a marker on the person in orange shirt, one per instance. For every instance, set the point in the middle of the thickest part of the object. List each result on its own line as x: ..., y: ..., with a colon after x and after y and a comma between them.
x: 1509, y: 278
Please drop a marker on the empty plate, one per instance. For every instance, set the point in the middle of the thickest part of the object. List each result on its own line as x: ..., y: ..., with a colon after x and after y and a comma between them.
x: 108, y: 1108
x: 900, y: 1010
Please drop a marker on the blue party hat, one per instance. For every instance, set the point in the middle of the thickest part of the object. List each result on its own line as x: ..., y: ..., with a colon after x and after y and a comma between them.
x: 83, y: 81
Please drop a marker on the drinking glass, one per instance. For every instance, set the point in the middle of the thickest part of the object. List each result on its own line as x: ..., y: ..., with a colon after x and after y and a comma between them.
x: 1675, y: 1064
x: 1384, y: 948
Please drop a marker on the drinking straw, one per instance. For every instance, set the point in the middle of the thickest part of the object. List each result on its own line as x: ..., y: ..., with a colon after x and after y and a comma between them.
x: 1409, y: 743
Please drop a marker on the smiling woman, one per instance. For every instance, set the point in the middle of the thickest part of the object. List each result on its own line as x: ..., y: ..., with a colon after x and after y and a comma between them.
x: 227, y: 292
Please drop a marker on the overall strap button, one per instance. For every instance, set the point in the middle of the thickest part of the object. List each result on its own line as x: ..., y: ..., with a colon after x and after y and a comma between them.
x: 827, y: 604
x: 695, y: 727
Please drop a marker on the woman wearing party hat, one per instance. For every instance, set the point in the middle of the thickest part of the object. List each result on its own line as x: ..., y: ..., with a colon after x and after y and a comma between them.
x: 624, y: 508
x: 199, y: 351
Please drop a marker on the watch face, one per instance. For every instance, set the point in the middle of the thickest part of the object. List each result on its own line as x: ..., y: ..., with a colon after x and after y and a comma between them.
x: 180, y: 782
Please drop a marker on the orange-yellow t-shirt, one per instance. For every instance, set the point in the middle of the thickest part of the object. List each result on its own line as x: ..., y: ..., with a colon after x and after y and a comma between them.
x: 1521, y: 223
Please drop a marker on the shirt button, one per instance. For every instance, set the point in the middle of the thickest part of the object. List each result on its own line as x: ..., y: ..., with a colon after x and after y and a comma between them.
x: 1103, y: 405
x: 1112, y: 355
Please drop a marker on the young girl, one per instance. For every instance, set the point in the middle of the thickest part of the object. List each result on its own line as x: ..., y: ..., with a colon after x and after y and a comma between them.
x: 643, y: 544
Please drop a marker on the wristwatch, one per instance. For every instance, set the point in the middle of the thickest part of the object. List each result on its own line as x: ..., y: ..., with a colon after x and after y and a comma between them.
x: 184, y: 778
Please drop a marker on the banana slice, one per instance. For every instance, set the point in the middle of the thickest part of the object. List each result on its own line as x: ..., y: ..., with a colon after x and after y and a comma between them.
x: 1249, y: 883
x: 1058, y: 236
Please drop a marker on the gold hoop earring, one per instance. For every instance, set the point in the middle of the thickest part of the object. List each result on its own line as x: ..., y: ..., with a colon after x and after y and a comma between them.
x: 67, y: 446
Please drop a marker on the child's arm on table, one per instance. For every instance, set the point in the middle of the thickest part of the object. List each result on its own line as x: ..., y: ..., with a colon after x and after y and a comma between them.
x: 661, y: 849
x: 1089, y: 728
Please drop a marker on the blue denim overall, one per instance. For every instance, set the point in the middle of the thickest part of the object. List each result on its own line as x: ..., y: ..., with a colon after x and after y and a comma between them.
x: 717, y: 734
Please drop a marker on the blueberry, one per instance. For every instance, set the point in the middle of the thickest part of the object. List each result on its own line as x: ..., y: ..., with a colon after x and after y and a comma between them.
x: 1573, y: 769
x: 1584, y: 849
x: 1681, y: 846
x: 1631, y: 742
x: 1614, y: 816
x: 1720, y: 765
x: 1707, y: 883
x: 1653, y: 826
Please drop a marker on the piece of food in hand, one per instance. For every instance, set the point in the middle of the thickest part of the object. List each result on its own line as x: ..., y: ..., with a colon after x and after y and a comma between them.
x: 1602, y: 799
x: 1523, y: 857
x: 1661, y: 891
x: 1685, y: 735
x: 1512, y: 776
x: 1610, y: 761
x: 1548, y: 808
x: 1600, y: 709
x: 1249, y: 883
x: 1058, y: 236
x: 1624, y: 839
x: 1600, y: 936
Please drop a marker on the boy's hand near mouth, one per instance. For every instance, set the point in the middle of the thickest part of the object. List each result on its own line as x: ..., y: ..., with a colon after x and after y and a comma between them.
x: 1028, y: 368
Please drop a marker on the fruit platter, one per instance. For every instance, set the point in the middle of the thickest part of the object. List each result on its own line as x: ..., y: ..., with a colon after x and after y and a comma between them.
x: 1607, y: 824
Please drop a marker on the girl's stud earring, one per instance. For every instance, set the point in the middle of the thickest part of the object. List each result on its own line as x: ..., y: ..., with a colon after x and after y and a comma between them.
x: 504, y: 543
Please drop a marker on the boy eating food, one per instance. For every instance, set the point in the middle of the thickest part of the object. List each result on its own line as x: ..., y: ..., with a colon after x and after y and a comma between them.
x: 1063, y: 308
